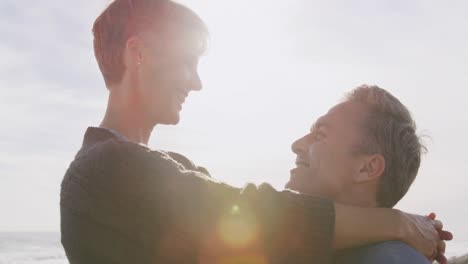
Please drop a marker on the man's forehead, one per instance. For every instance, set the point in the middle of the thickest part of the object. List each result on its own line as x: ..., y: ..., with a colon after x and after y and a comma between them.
x: 321, y: 122
x: 342, y: 113
x: 348, y: 109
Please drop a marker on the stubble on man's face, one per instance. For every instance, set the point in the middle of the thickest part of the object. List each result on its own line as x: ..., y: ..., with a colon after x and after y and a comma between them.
x: 325, y: 168
x: 304, y: 177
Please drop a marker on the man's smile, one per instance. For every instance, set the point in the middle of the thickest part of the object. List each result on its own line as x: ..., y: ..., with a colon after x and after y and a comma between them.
x: 302, y: 163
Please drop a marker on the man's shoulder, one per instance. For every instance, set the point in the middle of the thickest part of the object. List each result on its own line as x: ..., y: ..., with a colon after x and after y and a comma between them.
x: 389, y: 252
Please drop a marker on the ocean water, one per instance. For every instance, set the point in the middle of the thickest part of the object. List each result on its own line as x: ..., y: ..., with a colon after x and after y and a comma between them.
x: 45, y: 248
x: 28, y: 248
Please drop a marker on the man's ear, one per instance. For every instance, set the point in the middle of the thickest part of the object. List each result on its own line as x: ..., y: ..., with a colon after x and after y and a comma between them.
x: 372, y: 167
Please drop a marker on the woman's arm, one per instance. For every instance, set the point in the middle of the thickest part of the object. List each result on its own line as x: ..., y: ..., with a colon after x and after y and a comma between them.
x: 355, y: 226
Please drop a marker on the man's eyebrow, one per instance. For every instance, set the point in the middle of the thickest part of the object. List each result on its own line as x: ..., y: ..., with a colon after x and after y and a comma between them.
x: 319, y: 124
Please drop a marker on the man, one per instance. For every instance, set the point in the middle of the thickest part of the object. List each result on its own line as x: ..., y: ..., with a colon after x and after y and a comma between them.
x: 122, y: 202
x: 363, y: 152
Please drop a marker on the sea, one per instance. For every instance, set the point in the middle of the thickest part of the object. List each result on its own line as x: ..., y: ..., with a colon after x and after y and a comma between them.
x: 31, y: 247
x: 45, y: 248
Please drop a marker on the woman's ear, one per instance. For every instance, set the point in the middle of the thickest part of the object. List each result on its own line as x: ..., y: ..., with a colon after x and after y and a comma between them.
x: 372, y: 167
x: 134, y: 52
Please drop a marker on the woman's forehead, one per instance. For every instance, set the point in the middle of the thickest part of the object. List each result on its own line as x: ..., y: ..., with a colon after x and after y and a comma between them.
x: 177, y: 39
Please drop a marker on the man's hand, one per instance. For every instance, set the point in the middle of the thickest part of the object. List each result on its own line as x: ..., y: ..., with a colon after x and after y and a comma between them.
x: 425, y: 234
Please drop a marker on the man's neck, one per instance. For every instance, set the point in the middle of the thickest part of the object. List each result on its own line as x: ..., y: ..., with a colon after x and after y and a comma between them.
x: 362, y: 197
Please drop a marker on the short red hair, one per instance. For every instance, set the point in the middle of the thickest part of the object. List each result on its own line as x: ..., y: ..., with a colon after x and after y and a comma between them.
x: 123, y: 19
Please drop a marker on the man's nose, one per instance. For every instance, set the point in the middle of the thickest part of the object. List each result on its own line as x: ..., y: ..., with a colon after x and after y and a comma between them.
x: 298, y: 146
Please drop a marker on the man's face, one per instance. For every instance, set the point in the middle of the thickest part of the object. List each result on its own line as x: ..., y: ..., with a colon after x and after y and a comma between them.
x: 167, y: 75
x: 325, y: 162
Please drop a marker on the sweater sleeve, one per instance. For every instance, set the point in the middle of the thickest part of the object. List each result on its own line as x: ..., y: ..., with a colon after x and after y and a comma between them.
x: 186, y: 163
x: 287, y: 227
x: 182, y: 216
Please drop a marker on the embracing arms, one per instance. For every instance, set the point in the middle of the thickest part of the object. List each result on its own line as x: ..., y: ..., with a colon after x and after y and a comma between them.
x: 147, y: 199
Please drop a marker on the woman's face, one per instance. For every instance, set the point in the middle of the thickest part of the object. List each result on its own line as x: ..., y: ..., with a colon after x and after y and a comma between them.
x: 166, y: 75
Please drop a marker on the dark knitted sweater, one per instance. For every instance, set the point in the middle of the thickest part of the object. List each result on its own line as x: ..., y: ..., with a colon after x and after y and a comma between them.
x: 122, y: 202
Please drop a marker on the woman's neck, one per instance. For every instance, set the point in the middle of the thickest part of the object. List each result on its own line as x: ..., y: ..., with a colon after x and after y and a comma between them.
x: 126, y: 119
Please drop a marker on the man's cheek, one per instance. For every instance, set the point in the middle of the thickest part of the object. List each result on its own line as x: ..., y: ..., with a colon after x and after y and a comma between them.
x: 314, y: 160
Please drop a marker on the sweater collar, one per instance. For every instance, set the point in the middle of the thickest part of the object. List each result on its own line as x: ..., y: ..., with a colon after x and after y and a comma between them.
x: 95, y: 135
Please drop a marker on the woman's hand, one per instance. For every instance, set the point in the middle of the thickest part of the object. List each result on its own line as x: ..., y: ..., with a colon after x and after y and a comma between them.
x: 443, y: 235
x: 425, y: 234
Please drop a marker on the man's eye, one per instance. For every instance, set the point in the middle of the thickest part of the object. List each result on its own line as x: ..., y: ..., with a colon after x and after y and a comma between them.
x: 319, y: 135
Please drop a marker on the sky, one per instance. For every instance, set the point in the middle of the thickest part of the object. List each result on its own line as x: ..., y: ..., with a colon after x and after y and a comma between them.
x: 272, y: 68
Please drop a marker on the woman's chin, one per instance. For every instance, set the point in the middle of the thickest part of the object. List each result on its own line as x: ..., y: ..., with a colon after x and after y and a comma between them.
x: 174, y: 120
x: 171, y: 118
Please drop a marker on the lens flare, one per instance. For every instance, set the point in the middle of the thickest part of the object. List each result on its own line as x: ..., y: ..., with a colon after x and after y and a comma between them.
x: 235, y: 239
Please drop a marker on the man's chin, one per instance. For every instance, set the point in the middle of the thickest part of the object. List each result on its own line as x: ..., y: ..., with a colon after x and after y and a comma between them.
x: 291, y: 185
x: 296, y: 180
x: 304, y: 187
